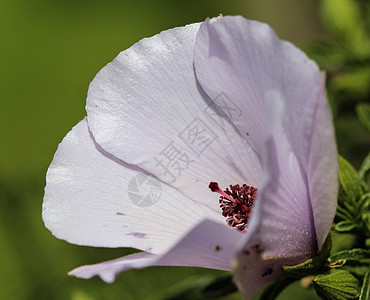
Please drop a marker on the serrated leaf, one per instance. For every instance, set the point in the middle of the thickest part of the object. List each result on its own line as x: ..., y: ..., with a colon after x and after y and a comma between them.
x: 350, y: 185
x: 365, y: 290
x: 363, y: 113
x: 337, y: 285
x: 346, y: 226
x: 355, y: 255
x: 312, y: 266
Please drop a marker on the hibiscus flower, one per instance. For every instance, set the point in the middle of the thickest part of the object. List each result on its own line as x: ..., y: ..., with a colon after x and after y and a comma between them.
x: 220, y: 106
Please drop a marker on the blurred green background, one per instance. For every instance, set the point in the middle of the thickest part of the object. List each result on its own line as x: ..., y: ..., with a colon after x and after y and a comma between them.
x: 49, y: 52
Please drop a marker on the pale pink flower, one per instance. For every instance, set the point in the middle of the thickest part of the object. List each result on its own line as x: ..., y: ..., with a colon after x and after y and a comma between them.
x: 224, y: 101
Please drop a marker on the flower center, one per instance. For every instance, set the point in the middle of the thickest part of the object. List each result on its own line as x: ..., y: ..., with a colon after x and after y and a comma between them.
x: 236, y: 203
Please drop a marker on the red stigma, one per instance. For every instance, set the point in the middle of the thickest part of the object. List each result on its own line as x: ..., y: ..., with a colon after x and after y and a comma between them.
x: 236, y: 203
x: 214, y: 186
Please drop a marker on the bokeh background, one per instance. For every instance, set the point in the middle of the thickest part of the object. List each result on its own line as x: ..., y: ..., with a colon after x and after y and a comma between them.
x: 49, y: 52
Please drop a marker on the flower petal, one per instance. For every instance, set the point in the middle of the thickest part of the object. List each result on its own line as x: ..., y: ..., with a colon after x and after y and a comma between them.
x: 322, y: 168
x: 208, y: 245
x: 244, y: 59
x: 92, y: 198
x: 108, y: 270
x: 281, y: 230
x: 275, y: 236
x: 147, y: 109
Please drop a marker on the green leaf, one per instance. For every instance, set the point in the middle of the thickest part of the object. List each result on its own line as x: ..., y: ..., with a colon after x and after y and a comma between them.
x: 358, y: 271
x: 343, y: 18
x: 364, y: 203
x: 363, y: 113
x: 354, y: 82
x: 365, y: 167
x: 355, y: 255
x: 363, y: 214
x: 205, y: 289
x: 337, y: 285
x: 350, y: 185
x: 312, y: 266
x: 274, y: 288
x: 219, y: 287
x: 366, y: 224
x: 358, y: 220
x: 346, y: 226
x: 365, y: 290
x: 188, y: 290
x: 343, y: 213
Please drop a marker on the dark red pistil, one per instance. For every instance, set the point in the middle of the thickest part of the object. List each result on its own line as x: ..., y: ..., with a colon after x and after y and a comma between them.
x: 236, y: 203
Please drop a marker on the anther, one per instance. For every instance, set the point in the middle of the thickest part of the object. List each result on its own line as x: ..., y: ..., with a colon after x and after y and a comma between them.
x: 236, y: 203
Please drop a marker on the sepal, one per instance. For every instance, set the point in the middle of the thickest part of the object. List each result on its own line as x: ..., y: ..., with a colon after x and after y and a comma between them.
x: 337, y: 285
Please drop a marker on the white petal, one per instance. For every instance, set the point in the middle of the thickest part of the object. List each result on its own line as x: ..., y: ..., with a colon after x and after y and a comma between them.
x: 146, y: 108
x: 281, y: 231
x: 208, y: 245
x: 244, y: 59
x: 92, y: 198
x: 108, y: 270
x: 322, y: 168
